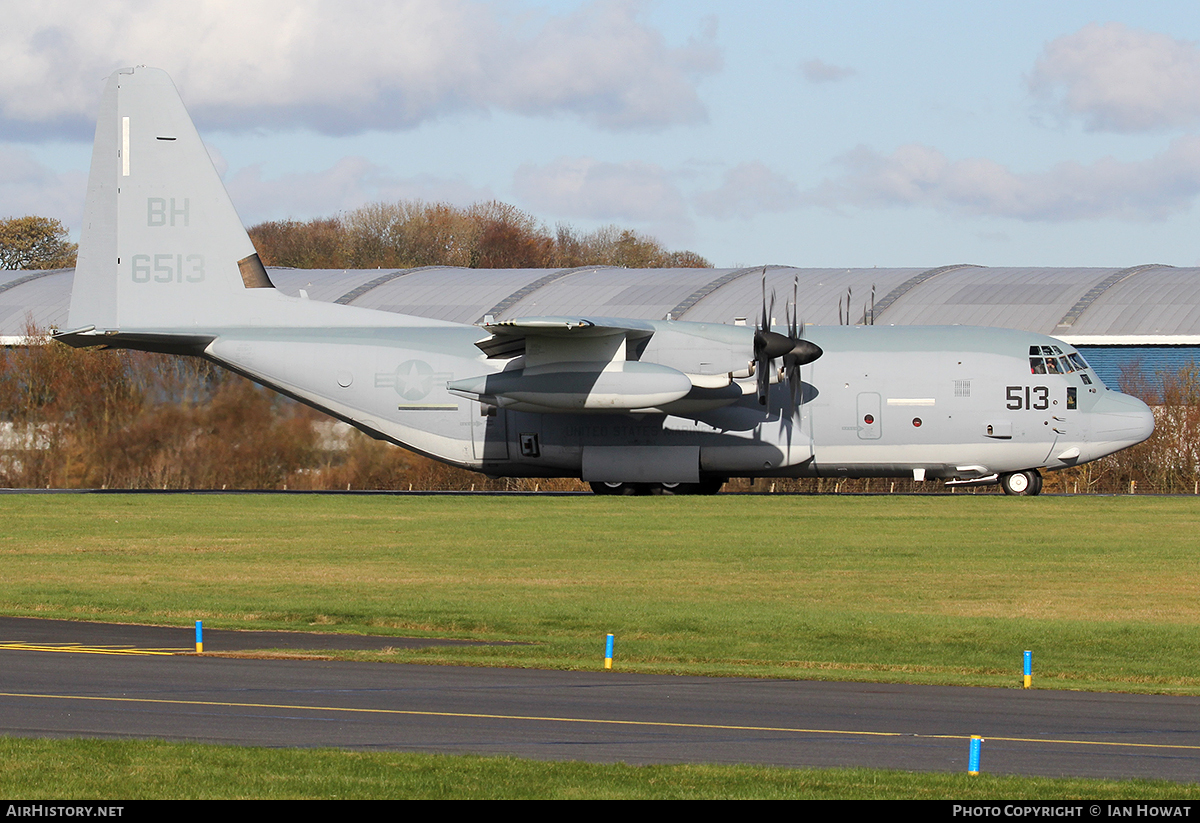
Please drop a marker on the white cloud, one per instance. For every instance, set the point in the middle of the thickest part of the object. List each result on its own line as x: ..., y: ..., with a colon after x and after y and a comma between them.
x: 349, y: 183
x: 583, y: 187
x: 600, y: 64
x: 343, y: 66
x: 29, y: 187
x: 917, y: 175
x: 748, y: 189
x: 630, y: 192
x: 1120, y: 79
x: 818, y: 71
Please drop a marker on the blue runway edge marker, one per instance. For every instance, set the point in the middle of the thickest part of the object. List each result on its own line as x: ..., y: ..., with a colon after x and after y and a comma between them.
x: 199, y: 638
x: 973, y: 760
x: 608, y: 652
x: 1028, y: 669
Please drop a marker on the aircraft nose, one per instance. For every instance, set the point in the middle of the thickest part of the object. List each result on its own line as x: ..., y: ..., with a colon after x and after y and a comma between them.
x: 1121, y: 417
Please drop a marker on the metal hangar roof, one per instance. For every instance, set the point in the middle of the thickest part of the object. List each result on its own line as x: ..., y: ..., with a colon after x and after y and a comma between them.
x: 1139, y: 305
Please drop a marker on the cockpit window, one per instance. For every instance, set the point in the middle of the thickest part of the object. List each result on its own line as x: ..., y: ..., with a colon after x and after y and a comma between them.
x: 1053, y: 360
x: 1080, y: 365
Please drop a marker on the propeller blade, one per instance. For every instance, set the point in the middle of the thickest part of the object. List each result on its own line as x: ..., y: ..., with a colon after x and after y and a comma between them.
x: 765, y: 322
x: 795, y: 306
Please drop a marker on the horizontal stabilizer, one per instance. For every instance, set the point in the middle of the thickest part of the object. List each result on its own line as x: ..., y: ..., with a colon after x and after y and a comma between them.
x: 169, y: 342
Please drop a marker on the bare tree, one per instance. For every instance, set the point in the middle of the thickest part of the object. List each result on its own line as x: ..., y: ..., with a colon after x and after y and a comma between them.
x: 35, y: 243
x: 410, y: 233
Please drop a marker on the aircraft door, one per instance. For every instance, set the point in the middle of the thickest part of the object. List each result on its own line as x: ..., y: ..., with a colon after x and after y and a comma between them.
x: 489, y: 432
x: 869, y: 426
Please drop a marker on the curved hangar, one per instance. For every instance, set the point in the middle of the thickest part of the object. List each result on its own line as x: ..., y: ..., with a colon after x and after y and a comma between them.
x: 1112, y: 314
x: 1148, y: 314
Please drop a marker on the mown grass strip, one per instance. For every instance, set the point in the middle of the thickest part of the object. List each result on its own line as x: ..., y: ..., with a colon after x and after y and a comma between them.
x: 131, y: 770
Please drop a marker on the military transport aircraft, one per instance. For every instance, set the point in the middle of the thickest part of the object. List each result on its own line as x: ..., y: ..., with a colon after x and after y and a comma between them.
x: 631, y: 406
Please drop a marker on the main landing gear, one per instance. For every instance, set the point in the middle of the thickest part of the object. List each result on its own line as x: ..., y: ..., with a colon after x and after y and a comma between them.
x: 703, y: 487
x: 1022, y: 483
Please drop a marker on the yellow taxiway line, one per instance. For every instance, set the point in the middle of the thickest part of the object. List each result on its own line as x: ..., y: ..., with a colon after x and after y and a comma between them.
x: 76, y: 648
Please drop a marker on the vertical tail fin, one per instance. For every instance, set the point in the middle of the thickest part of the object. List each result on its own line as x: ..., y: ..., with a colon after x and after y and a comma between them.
x: 162, y: 246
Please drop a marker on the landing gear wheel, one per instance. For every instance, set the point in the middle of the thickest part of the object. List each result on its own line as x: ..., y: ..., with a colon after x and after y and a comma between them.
x: 703, y: 487
x: 1026, y: 483
x: 625, y: 489
x: 612, y: 488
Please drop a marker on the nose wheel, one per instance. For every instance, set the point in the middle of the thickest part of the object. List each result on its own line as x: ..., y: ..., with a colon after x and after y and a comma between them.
x: 1022, y: 483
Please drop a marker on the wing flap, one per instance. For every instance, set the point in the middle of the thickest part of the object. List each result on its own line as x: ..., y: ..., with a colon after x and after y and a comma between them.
x: 511, y: 338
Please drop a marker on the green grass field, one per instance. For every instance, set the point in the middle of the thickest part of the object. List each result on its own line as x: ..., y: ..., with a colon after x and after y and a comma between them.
x: 122, y: 769
x: 948, y: 589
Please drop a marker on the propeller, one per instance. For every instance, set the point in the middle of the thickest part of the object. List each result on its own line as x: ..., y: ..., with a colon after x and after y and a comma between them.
x: 802, y: 352
x: 769, y: 345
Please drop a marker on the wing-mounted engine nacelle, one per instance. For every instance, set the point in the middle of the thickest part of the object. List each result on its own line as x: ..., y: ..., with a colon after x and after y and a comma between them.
x: 574, y: 365
x: 579, y: 387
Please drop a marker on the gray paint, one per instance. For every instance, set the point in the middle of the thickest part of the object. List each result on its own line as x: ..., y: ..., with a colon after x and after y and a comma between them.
x: 557, y: 392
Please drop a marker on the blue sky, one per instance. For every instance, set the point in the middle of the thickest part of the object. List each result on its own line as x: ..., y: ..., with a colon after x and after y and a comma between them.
x: 808, y: 134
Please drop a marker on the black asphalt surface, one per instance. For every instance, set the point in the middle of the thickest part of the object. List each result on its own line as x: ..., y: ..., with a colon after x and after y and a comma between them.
x: 596, y: 716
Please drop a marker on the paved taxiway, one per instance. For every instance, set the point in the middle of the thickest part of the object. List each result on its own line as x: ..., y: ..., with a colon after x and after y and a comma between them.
x: 600, y: 716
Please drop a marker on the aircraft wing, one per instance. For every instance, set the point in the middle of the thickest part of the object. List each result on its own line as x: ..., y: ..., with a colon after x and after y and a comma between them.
x: 510, y: 338
x: 589, y: 364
